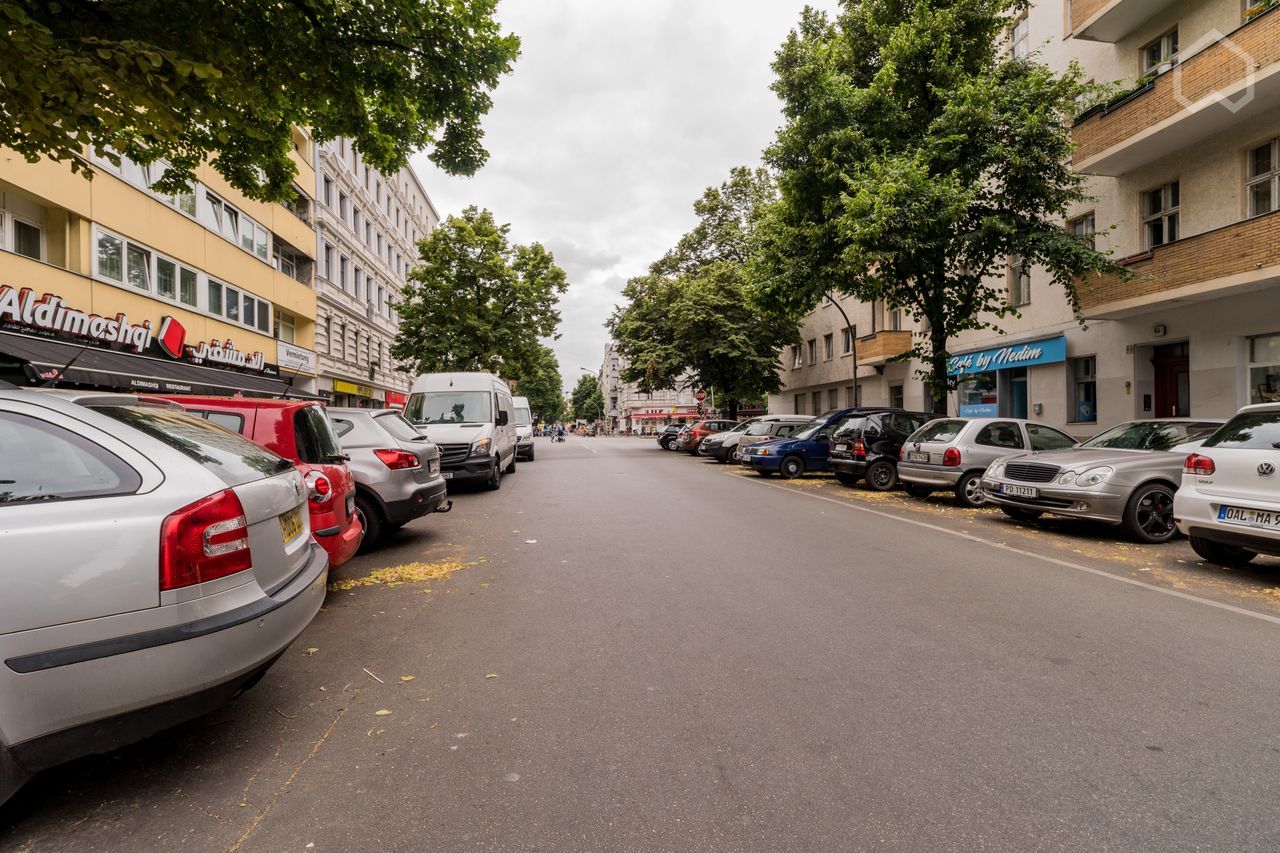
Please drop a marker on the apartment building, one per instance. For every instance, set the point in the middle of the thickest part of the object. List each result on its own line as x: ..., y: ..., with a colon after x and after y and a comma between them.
x: 629, y: 408
x: 367, y: 229
x: 109, y: 284
x: 1184, y: 168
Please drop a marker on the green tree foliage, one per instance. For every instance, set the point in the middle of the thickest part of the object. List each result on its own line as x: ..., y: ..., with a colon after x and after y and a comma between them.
x: 587, y: 401
x: 690, y: 321
x: 477, y: 302
x: 540, y: 381
x: 185, y: 81
x: 915, y: 160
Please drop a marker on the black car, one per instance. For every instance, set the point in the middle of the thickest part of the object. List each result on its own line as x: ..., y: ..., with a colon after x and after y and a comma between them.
x: 868, y: 447
x: 667, y: 436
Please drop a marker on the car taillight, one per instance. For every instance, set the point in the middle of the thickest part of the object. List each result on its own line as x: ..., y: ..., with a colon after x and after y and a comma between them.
x: 203, y: 541
x: 319, y: 489
x: 951, y: 458
x: 859, y: 447
x: 396, y: 459
x: 1200, y: 465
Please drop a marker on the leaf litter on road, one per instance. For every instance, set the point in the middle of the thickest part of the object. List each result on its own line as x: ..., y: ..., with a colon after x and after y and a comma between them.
x: 406, y: 573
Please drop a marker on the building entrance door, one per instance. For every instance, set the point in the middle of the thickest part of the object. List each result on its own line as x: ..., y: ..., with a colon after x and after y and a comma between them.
x: 1171, y: 364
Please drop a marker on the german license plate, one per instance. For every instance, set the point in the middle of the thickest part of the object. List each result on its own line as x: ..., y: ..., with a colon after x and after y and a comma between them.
x: 1019, y: 491
x: 290, y: 524
x: 917, y: 456
x: 1265, y: 519
x: 448, y: 475
x: 842, y: 446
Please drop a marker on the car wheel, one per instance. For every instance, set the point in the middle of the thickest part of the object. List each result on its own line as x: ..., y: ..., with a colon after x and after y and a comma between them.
x: 1224, y: 555
x: 515, y: 457
x: 370, y: 520
x: 847, y: 479
x: 969, y: 490
x: 882, y: 475
x: 495, y: 476
x: 791, y: 467
x: 916, y: 490
x: 530, y: 454
x: 1019, y: 514
x: 1148, y: 517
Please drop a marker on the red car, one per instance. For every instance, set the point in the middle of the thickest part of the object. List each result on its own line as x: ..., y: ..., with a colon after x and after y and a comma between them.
x: 298, y: 430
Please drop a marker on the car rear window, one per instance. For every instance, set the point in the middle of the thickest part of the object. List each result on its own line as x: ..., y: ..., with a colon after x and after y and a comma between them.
x: 44, y: 462
x: 398, y: 426
x: 230, y: 456
x: 941, y: 431
x: 1249, y: 431
x: 317, y: 442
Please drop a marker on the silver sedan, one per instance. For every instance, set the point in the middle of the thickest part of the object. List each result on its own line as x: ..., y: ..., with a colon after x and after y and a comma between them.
x: 1126, y: 476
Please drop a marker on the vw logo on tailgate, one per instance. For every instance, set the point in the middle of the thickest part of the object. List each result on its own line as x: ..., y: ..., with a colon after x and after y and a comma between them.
x: 1266, y: 469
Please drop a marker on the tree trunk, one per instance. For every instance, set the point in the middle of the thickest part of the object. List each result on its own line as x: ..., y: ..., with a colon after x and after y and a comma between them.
x: 938, y: 368
x: 731, y: 409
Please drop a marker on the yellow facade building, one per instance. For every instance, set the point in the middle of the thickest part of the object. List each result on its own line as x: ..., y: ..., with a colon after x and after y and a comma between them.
x: 105, y: 283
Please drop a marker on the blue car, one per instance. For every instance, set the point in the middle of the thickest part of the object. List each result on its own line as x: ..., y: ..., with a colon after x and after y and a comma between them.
x: 806, y: 451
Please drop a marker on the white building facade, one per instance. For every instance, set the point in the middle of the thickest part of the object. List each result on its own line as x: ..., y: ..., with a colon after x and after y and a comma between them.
x: 367, y: 229
x: 627, y: 408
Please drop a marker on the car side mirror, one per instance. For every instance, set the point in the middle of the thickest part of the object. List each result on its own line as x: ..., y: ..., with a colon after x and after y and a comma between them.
x: 502, y: 418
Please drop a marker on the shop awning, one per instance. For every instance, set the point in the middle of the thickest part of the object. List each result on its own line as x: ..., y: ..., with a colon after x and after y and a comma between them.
x: 137, y: 373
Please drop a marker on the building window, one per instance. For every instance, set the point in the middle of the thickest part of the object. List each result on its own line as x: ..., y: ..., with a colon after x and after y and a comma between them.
x: 328, y: 261
x: 1084, y: 227
x: 1160, y: 215
x: 355, y: 281
x: 328, y: 192
x: 214, y: 292
x: 110, y: 261
x: 813, y: 351
x: 797, y: 361
x: 896, y: 396
x: 1159, y: 55
x: 833, y: 398
x: 343, y: 263
x: 1019, y: 281
x: 1020, y: 38
x: 342, y: 206
x: 895, y: 320
x: 28, y: 239
x: 817, y: 402
x: 166, y: 278
x: 846, y: 338
x: 232, y: 303
x: 1264, y: 369
x: 355, y: 220
x: 1263, y: 188
x: 286, y: 327
x: 828, y: 347
x: 1084, y: 389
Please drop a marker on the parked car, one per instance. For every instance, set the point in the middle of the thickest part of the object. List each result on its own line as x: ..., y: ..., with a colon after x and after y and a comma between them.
x: 524, y: 428
x: 1229, y: 502
x: 1125, y: 476
x: 805, y: 451
x: 667, y: 436
x: 396, y: 469
x: 768, y: 428
x: 692, y: 435
x: 155, y: 567
x: 472, y: 417
x: 720, y: 446
x: 868, y: 446
x: 299, y: 431
x: 952, y: 453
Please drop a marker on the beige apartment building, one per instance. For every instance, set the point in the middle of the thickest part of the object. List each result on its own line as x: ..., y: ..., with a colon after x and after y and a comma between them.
x: 109, y: 284
x: 367, y: 229
x: 628, y: 408
x: 1185, y: 170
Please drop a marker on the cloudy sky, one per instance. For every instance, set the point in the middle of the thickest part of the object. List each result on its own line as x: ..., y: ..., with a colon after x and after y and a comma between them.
x: 615, y: 118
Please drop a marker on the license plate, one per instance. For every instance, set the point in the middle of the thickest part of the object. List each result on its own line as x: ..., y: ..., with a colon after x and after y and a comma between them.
x: 1265, y: 519
x: 1019, y: 491
x: 842, y: 446
x: 290, y: 524
x: 448, y: 475
x: 351, y: 503
x: 917, y: 456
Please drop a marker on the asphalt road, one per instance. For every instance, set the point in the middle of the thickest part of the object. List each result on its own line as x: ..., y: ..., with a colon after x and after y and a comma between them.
x: 653, y: 653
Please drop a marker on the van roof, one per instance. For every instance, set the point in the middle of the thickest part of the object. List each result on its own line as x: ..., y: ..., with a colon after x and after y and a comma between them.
x: 465, y: 380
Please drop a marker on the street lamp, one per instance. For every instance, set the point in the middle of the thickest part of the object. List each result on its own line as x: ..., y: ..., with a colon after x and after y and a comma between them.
x: 853, y: 346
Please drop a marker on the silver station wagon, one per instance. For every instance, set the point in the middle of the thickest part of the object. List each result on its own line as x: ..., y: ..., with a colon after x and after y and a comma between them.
x: 155, y: 565
x: 769, y: 428
x: 951, y: 454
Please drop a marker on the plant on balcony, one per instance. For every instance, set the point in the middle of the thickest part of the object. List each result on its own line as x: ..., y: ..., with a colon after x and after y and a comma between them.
x: 914, y: 160
x: 187, y: 81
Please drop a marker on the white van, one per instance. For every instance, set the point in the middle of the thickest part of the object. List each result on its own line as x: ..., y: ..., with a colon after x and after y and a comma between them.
x: 524, y: 429
x: 471, y: 416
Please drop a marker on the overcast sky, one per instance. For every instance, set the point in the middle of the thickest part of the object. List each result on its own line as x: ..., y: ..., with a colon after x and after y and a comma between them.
x: 616, y: 117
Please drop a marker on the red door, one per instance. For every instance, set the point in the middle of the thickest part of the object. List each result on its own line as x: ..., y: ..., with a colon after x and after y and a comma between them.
x: 1172, y: 366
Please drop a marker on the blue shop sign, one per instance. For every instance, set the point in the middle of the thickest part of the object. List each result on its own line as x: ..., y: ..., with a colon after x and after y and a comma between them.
x: 1029, y: 354
x: 980, y: 410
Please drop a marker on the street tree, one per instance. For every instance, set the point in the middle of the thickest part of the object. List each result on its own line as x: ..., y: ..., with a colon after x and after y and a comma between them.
x: 691, y: 320
x: 540, y: 381
x: 475, y: 301
x: 187, y: 81
x: 587, y: 401
x: 916, y: 162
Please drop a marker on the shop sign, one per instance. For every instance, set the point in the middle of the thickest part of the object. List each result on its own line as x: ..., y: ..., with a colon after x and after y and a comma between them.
x: 50, y: 316
x: 980, y: 410
x: 295, y: 358
x: 352, y: 388
x: 1047, y: 351
x: 394, y: 398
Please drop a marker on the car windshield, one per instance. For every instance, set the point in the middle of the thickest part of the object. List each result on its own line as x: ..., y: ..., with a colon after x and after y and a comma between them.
x: 522, y: 417
x: 1249, y: 431
x: 938, y: 431
x: 399, y: 427
x: 449, y: 407
x: 810, y: 430
x: 761, y: 428
x: 742, y: 427
x: 1150, y: 435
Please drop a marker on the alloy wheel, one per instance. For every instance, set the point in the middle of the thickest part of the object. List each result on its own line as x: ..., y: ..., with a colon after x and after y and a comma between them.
x: 1153, y: 514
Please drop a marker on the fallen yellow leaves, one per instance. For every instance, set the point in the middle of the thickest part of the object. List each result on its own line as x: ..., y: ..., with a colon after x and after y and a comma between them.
x: 392, y: 576
x: 383, y: 713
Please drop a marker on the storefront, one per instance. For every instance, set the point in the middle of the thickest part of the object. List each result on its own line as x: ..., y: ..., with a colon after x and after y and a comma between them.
x: 356, y: 395
x: 994, y: 382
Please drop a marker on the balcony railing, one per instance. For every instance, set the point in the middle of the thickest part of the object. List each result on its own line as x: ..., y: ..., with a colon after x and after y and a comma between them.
x: 882, y: 346
x: 1227, y: 83
x: 1239, y: 255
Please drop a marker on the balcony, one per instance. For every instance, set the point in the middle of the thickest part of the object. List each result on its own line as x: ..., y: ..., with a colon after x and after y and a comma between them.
x: 1112, y: 20
x: 880, y: 347
x: 1237, y: 258
x: 1229, y: 82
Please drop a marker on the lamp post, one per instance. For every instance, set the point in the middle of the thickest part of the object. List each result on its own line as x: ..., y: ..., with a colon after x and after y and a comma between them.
x: 853, y: 346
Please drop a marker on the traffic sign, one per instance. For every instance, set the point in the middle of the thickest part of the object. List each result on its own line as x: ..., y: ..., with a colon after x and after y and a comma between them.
x: 699, y: 395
